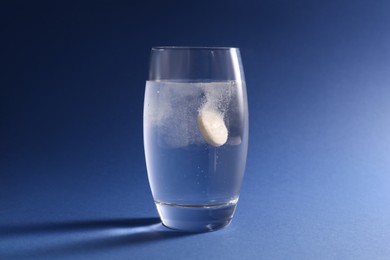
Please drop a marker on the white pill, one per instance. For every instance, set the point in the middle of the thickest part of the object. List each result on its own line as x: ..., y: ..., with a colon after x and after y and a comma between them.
x: 212, y: 127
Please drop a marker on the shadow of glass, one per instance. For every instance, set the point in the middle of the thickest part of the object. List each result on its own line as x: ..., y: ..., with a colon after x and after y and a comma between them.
x: 74, y: 226
x: 79, y: 237
x: 120, y: 238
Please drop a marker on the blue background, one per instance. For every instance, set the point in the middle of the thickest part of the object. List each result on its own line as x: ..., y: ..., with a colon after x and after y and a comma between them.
x: 73, y: 180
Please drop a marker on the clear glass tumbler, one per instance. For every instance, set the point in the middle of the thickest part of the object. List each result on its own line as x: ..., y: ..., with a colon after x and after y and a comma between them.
x: 195, y: 135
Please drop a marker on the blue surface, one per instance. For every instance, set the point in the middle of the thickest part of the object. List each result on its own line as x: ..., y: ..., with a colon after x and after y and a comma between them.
x: 73, y: 180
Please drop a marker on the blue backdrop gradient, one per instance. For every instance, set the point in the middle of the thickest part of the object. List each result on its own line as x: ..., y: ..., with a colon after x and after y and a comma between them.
x: 73, y: 180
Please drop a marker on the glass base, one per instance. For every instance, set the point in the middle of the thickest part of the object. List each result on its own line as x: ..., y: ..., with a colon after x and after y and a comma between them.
x: 196, y: 218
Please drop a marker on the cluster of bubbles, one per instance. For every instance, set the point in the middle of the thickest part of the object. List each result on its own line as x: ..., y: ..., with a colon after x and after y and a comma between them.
x: 174, y: 108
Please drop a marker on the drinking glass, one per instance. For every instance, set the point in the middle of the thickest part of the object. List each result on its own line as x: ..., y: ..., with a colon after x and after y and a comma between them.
x: 195, y: 135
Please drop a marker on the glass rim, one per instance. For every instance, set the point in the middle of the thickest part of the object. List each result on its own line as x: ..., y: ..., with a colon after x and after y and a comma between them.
x: 189, y: 48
